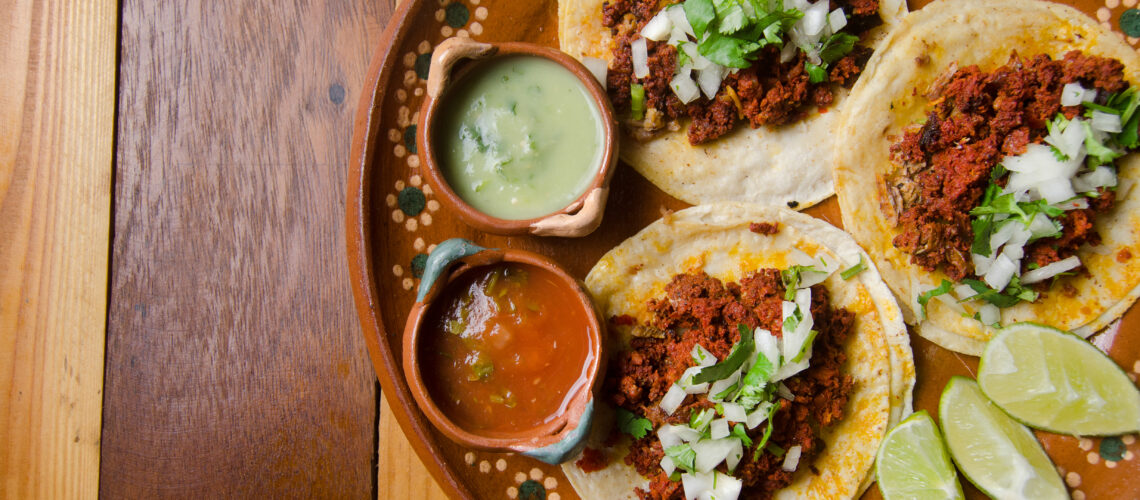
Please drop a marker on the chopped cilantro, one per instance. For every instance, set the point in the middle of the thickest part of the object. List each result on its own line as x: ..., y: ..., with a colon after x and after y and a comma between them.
x: 850, y: 272
x: 636, y: 101
x: 1013, y: 293
x: 740, y: 432
x: 1098, y: 154
x: 740, y: 352
x: 806, y: 346
x: 775, y: 449
x: 837, y: 46
x: 632, y: 424
x: 683, y: 456
x: 924, y: 297
x: 816, y: 73
x: 700, y: 420
x: 791, y: 280
x: 767, y: 431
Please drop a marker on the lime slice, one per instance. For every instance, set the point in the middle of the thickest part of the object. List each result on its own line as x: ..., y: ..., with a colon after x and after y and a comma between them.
x: 1059, y: 382
x: 995, y: 452
x: 913, y: 464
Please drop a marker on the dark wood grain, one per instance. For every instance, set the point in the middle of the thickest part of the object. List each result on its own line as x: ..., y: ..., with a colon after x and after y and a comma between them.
x: 235, y: 364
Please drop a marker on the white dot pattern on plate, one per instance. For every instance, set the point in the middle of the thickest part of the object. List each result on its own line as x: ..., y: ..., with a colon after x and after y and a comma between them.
x: 476, y: 28
x: 469, y: 457
x: 1112, y: 4
x: 410, y: 59
x: 398, y: 216
x: 1130, y: 3
x: 1078, y: 495
x: 1093, y: 457
x: 550, y: 483
x: 554, y: 496
x: 394, y: 135
x: 1073, y: 479
x: 424, y: 47
x: 414, y: 162
x: 512, y: 492
x: 536, y: 473
x: 481, y: 13
x: 484, y: 466
x: 440, y: 15
x: 419, y: 92
x: 425, y: 219
x: 520, y: 477
x: 418, y: 244
x: 399, y: 151
x: 408, y: 283
x: 390, y: 200
x: 501, y: 465
x: 446, y: 31
x: 412, y: 224
x: 410, y: 78
x: 1103, y: 14
x: 398, y: 270
x: 1128, y: 439
x: 415, y: 180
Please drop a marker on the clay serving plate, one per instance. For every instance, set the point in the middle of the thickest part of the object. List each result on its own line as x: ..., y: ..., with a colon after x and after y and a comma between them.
x: 559, y: 438
x: 395, y: 217
x: 452, y: 60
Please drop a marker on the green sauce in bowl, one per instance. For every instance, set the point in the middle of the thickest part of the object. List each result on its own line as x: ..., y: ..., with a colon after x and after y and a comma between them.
x: 519, y: 137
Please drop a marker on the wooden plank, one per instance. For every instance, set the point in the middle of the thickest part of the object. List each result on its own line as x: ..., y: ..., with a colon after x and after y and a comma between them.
x: 57, y: 91
x: 235, y: 365
x: 401, y: 474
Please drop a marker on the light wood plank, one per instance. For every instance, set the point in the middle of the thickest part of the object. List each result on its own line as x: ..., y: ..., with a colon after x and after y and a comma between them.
x: 401, y: 473
x: 57, y: 96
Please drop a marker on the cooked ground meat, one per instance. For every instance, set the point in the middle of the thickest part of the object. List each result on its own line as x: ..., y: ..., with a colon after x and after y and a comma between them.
x: 768, y: 93
x: 700, y: 309
x: 977, y: 119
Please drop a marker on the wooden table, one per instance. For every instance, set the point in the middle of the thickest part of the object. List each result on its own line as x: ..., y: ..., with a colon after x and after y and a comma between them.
x: 175, y: 311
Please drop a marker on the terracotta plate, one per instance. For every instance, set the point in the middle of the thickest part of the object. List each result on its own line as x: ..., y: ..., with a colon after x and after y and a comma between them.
x: 394, y: 219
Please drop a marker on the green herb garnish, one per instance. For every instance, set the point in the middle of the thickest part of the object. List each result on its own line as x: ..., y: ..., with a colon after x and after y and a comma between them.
x: 636, y: 101
x: 740, y: 352
x: 924, y: 297
x: 850, y: 272
x: 683, y: 456
x: 631, y: 424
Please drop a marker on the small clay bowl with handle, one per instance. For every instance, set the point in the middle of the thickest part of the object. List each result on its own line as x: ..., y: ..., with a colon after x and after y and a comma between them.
x: 560, y: 436
x: 455, y: 59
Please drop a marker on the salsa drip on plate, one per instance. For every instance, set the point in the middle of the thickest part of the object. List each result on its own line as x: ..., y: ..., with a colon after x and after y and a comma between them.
x: 699, y: 310
x: 778, y: 87
x: 984, y: 158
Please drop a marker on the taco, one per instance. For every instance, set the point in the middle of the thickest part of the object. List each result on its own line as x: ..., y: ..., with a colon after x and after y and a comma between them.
x: 736, y: 94
x: 985, y: 161
x: 706, y: 399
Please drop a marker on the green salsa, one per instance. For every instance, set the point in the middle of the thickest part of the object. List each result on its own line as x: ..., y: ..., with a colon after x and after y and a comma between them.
x: 519, y: 137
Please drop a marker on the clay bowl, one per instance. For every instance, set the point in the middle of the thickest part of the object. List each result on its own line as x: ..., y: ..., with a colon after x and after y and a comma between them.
x: 456, y: 58
x: 556, y: 439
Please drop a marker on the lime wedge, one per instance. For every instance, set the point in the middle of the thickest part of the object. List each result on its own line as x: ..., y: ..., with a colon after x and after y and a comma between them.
x: 1053, y: 380
x: 913, y: 464
x: 995, y: 452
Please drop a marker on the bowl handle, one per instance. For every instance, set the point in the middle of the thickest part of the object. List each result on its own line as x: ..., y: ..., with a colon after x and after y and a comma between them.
x: 441, y: 259
x: 447, y: 54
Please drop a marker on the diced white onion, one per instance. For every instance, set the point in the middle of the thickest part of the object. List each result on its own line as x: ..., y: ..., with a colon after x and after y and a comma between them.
x: 597, y: 67
x: 788, y: 52
x: 758, y: 415
x: 767, y: 345
x: 1105, y: 122
x: 639, y: 52
x: 837, y: 20
x: 672, y: 435
x: 722, y: 385
x: 815, y: 17
x: 667, y: 465
x: 811, y: 278
x: 964, y: 292
x: 951, y: 303
x: 792, y: 458
x: 687, y: 384
x: 989, y: 314
x: 790, y: 368
x: 719, y: 428
x: 734, y: 412
x: 672, y: 399
x: 695, y: 484
x: 677, y: 15
x: 734, y: 455
x: 1070, y: 141
x: 1073, y: 204
x: 711, y: 452
x: 1074, y: 94
x: 1042, y: 226
x: 1000, y: 272
x: 683, y: 85
x: 1056, y: 190
x: 727, y: 487
x: 702, y: 356
x: 982, y: 263
x: 1101, y: 177
x: 709, y: 80
x: 659, y: 28
x: 784, y: 392
x: 1045, y: 272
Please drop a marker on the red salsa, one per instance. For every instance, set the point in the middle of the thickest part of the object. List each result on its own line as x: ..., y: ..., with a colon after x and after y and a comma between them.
x: 505, y: 348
